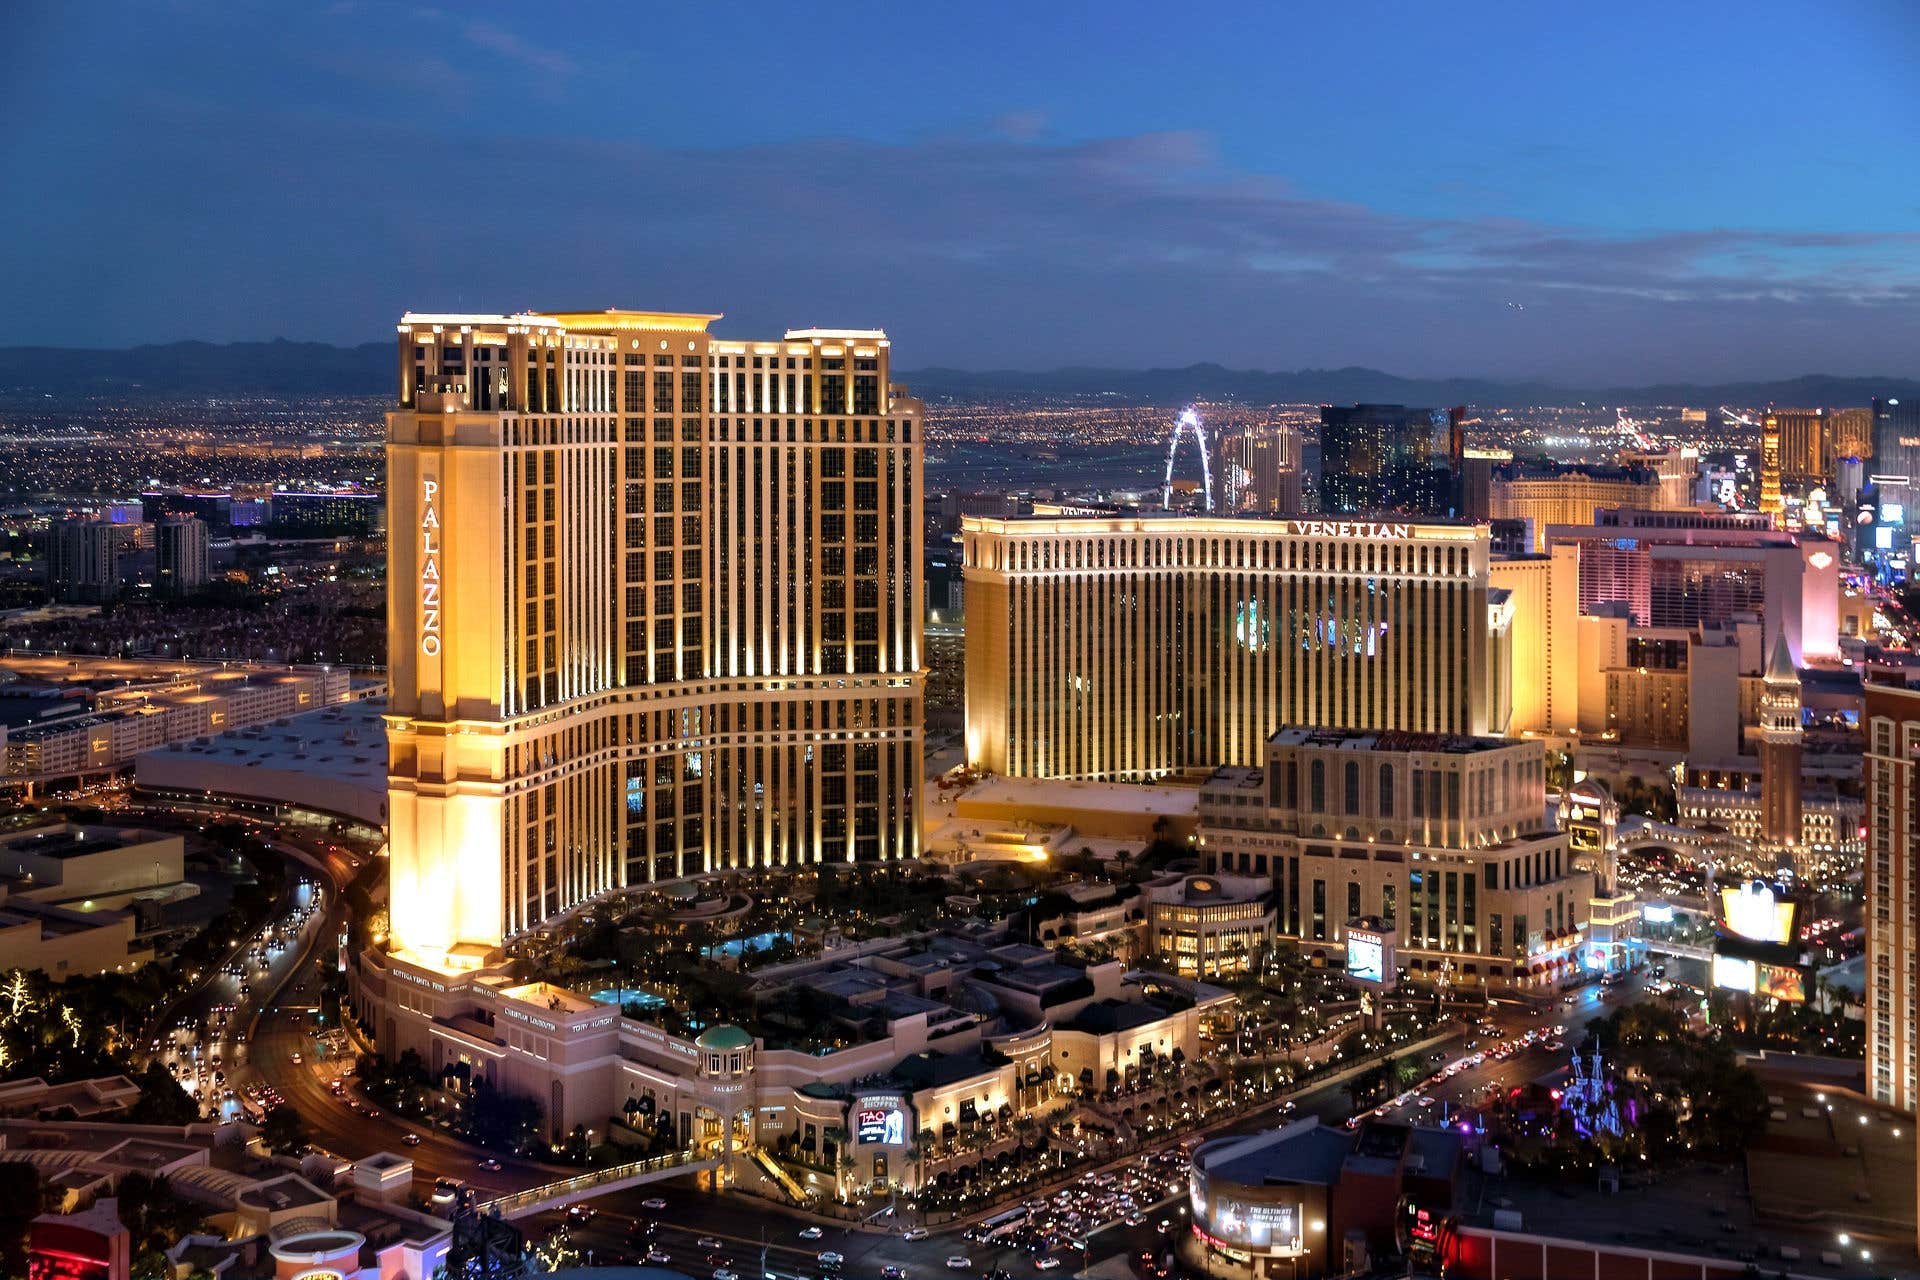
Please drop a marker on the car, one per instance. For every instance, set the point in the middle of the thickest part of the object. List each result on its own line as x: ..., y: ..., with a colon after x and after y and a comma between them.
x: 655, y: 1203
x: 891, y: 1272
x: 915, y: 1233
x: 811, y: 1233
x: 828, y: 1258
x: 708, y: 1242
x: 490, y: 1165
x: 1136, y: 1219
x: 294, y: 1058
x: 959, y: 1262
x: 580, y: 1211
x: 721, y: 1273
x: 1047, y: 1263
x: 411, y: 1139
x: 659, y: 1257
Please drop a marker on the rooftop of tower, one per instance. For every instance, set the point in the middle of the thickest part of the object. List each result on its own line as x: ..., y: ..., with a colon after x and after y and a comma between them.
x: 617, y: 318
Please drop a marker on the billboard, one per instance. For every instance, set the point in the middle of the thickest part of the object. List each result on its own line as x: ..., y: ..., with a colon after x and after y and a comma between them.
x: 874, y: 1121
x: 1365, y: 957
x: 1734, y: 973
x: 1259, y: 1226
x: 1758, y: 912
x: 1759, y: 978
x: 1370, y: 954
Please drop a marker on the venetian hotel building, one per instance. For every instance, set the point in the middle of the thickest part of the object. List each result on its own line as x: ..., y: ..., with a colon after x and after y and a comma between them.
x: 654, y: 611
x: 1125, y: 649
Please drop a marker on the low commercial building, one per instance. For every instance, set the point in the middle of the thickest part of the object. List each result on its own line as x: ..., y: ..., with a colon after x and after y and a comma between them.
x: 863, y: 1053
x: 67, y: 943
x: 137, y: 706
x: 71, y: 896
x: 257, y: 1209
x: 1444, y: 837
x: 1213, y: 925
x: 331, y: 761
x: 1832, y: 843
x: 1304, y: 1201
x: 90, y: 867
x: 91, y: 1244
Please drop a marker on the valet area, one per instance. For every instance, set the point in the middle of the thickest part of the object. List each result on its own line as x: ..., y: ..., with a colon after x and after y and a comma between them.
x: 865, y: 1068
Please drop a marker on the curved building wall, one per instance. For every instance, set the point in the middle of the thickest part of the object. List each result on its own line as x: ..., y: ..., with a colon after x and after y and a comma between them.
x: 654, y: 608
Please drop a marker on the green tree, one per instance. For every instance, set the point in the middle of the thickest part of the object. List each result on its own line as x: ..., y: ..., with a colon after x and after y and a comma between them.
x: 162, y: 1100
x: 504, y: 1120
x: 19, y: 1204
x: 284, y: 1131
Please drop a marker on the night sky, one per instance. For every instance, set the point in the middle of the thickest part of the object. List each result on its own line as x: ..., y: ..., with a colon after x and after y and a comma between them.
x: 1597, y: 192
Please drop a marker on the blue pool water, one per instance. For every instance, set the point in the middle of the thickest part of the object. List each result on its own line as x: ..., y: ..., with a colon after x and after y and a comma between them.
x: 628, y: 995
x: 736, y: 947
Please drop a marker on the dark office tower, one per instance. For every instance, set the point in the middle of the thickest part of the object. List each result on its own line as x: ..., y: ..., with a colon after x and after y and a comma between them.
x: 180, y: 562
x: 1896, y: 442
x: 1891, y: 477
x: 83, y: 560
x: 1386, y: 458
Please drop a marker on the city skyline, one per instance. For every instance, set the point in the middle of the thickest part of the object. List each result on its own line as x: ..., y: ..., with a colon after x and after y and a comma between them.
x: 863, y: 641
x: 1582, y: 210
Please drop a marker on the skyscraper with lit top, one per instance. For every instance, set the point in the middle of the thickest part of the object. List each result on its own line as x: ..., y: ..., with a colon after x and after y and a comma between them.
x: 653, y: 607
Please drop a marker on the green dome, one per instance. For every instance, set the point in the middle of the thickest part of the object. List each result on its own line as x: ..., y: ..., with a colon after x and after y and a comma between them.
x: 724, y: 1037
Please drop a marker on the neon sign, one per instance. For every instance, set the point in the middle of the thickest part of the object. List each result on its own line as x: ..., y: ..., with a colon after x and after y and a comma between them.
x: 429, y: 568
x: 1348, y: 529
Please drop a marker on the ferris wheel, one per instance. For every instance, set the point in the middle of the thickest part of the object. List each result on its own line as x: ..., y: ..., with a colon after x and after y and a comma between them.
x: 1188, y: 419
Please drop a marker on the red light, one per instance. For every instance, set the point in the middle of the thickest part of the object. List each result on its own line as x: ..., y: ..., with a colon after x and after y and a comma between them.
x: 1556, y: 1095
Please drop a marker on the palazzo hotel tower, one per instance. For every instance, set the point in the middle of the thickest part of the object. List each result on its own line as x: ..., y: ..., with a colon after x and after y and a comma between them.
x: 654, y: 611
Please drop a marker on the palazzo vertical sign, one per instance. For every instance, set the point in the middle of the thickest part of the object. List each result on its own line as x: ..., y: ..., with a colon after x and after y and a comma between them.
x: 430, y: 568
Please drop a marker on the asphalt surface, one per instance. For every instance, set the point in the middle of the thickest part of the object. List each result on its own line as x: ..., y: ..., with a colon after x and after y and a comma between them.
x: 738, y: 1221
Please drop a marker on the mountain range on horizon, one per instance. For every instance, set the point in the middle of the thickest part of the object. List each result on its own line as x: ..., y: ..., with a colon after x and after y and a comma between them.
x: 285, y: 368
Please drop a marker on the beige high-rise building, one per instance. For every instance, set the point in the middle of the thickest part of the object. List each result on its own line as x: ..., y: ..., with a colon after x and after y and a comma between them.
x: 1444, y: 837
x: 653, y: 608
x: 1892, y: 885
x: 1129, y: 648
x: 1571, y: 496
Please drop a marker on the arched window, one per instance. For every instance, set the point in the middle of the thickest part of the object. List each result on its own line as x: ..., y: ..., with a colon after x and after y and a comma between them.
x: 1386, y: 791
x: 1317, y: 787
x: 1353, y: 786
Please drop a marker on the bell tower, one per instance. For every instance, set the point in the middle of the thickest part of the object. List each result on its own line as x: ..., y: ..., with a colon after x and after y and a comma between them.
x: 1780, y: 749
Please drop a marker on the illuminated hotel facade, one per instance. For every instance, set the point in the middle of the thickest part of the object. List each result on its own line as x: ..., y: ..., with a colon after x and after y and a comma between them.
x: 1125, y: 649
x: 653, y: 610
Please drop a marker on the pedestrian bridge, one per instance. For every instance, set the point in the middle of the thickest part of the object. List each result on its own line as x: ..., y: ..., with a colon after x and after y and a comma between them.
x: 1685, y: 950
x: 597, y: 1182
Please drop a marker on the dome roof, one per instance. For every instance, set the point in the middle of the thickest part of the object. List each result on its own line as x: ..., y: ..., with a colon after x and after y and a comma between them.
x: 725, y: 1036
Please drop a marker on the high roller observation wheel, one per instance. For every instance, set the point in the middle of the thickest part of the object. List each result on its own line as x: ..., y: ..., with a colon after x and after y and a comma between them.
x: 1188, y: 419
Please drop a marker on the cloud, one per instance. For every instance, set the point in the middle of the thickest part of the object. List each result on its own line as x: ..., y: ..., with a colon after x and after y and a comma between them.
x: 1021, y: 126
x: 508, y: 44
x: 987, y: 249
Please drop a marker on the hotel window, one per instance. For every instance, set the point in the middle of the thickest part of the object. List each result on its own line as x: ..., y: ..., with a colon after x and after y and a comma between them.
x: 1386, y: 791
x: 1317, y: 786
x: 1352, y: 786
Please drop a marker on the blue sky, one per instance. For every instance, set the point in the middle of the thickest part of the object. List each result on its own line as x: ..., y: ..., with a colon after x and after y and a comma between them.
x: 1595, y: 193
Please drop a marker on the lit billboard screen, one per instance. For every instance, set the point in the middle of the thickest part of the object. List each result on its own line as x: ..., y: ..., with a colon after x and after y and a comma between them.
x: 1366, y: 956
x: 1782, y: 982
x: 1757, y: 911
x: 1733, y: 973
x: 1758, y: 978
x: 1256, y: 1225
x: 881, y: 1124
